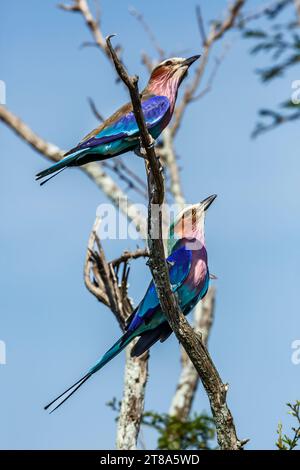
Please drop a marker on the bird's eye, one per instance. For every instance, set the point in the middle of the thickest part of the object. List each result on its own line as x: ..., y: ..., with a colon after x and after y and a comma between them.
x: 169, y: 62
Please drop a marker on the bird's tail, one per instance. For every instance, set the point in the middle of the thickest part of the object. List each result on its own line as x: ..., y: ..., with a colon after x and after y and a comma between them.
x: 53, y: 170
x: 108, y: 356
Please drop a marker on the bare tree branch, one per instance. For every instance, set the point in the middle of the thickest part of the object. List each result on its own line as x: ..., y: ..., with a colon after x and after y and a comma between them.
x: 201, y: 24
x: 297, y: 6
x: 192, y: 343
x: 216, y: 33
x: 167, y: 153
x: 129, y: 255
x: 134, y: 12
x: 188, y: 381
x: 129, y: 177
x: 267, y: 8
x: 101, y: 279
x: 147, y: 142
x: 93, y: 170
x: 112, y: 191
x: 132, y: 406
x: 147, y: 61
x: 95, y: 285
x: 115, y: 194
x: 100, y: 274
x: 277, y: 119
x: 94, y: 110
x: 213, y: 74
x: 82, y: 7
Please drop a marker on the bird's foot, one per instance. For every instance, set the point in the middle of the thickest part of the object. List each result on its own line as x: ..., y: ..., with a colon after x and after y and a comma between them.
x: 140, y: 152
x: 152, y: 145
x: 170, y: 263
x: 212, y: 276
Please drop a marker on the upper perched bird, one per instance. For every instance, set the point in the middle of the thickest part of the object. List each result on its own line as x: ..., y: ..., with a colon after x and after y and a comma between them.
x: 120, y: 133
x: 189, y: 278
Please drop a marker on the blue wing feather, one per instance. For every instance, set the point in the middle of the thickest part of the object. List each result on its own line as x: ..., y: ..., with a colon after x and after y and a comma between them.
x: 179, y: 267
x: 154, y: 110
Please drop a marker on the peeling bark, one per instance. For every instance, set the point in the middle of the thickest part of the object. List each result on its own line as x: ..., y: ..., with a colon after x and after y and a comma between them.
x: 132, y: 407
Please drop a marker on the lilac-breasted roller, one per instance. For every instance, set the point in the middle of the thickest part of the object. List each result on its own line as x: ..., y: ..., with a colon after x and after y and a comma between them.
x: 189, y: 279
x: 120, y: 133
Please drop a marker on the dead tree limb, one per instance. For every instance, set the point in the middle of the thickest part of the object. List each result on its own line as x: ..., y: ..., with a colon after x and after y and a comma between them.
x: 93, y: 170
x: 183, y: 398
x: 93, y: 24
x: 118, y: 198
x: 191, y: 342
x: 102, y: 280
x: 216, y: 32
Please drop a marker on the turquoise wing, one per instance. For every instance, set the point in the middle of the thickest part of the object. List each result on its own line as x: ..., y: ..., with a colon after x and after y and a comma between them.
x: 179, y: 267
x: 125, y: 126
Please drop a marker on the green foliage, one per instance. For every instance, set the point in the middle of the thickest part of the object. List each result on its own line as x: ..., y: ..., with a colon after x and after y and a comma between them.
x: 276, y: 117
x: 278, y: 39
x: 195, y: 433
x: 274, y: 10
x: 285, y: 442
x: 254, y: 34
x: 276, y: 44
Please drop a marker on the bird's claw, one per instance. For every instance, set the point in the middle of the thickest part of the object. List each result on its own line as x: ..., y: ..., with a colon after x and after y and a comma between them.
x: 170, y: 263
x: 140, y: 151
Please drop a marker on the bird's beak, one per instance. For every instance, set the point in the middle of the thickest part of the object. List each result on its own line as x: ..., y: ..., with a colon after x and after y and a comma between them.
x: 208, y: 201
x: 188, y: 62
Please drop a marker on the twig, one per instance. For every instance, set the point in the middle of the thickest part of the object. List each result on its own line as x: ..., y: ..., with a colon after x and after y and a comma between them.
x: 277, y: 119
x: 132, y: 174
x: 201, y: 24
x: 95, y: 110
x: 93, y: 170
x: 121, y: 171
x: 192, y: 343
x: 134, y: 12
x: 167, y: 152
x: 129, y: 255
x: 269, y: 8
x: 135, y: 391
x: 147, y: 142
x: 95, y: 286
x: 211, y: 78
x: 285, y: 442
x: 102, y: 281
x: 146, y: 60
x: 216, y: 32
x: 82, y: 7
x: 297, y: 7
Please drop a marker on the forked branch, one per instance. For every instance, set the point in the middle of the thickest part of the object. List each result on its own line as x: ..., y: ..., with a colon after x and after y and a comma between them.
x: 191, y: 342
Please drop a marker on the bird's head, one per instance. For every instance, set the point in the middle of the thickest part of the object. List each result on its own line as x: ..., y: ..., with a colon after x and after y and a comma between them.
x: 189, y: 224
x: 168, y: 75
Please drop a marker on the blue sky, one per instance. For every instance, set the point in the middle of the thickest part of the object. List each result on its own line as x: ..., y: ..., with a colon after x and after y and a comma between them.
x: 53, y: 328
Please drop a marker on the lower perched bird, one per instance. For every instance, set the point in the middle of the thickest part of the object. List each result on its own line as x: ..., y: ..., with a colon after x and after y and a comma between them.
x: 120, y: 133
x: 189, y: 278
